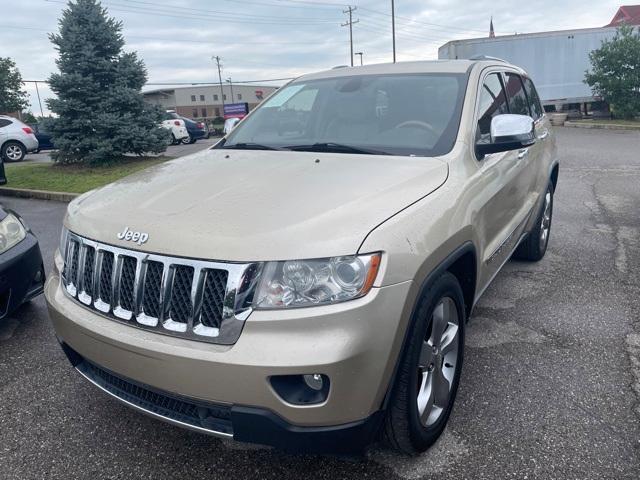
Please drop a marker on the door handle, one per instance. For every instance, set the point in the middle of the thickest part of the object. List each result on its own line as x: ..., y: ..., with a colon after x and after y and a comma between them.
x: 543, y: 135
x: 523, y: 153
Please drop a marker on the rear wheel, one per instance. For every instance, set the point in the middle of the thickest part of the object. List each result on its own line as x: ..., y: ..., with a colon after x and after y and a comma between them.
x: 429, y: 374
x: 534, y: 246
x: 13, y: 151
x: 186, y: 140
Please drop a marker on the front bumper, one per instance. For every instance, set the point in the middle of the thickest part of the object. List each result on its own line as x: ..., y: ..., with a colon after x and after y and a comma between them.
x: 21, y: 274
x: 355, y: 344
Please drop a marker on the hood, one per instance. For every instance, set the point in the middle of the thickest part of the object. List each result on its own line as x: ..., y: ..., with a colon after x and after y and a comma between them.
x: 256, y: 205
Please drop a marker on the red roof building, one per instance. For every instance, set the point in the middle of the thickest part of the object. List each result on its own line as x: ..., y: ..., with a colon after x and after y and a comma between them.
x: 627, y: 14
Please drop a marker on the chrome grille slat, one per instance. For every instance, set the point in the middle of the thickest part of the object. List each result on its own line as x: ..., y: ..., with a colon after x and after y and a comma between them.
x: 171, y: 295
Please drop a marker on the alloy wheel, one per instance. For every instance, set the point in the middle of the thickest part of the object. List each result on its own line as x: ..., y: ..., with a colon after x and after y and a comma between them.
x: 13, y: 152
x: 437, y: 362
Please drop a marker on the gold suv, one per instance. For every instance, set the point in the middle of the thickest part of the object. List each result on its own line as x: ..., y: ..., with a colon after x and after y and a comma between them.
x: 305, y: 283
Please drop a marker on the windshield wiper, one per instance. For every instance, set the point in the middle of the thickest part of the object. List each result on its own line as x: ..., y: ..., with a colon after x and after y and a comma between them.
x: 334, y: 147
x: 250, y: 146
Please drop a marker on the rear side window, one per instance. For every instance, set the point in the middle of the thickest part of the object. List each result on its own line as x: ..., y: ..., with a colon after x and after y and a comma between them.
x: 534, y: 100
x: 518, y: 102
x: 4, y: 122
x: 492, y: 102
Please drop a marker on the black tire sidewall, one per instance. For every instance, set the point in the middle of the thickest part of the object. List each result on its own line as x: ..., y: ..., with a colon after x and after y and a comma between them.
x: 404, y: 429
x: 445, y: 286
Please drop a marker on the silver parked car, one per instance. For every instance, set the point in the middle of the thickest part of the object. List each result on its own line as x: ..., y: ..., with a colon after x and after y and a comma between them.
x: 16, y: 139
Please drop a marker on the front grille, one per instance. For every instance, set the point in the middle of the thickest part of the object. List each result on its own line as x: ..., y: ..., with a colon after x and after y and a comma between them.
x: 170, y: 295
x: 212, y: 418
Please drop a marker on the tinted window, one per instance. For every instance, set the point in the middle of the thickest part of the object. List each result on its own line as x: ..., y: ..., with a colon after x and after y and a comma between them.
x: 492, y: 102
x: 518, y: 102
x: 534, y: 100
x: 398, y: 114
x: 4, y: 122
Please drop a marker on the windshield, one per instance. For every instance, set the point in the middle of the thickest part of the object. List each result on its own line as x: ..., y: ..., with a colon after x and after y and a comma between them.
x: 408, y: 114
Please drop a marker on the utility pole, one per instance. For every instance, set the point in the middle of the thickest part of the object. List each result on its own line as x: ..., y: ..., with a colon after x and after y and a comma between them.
x: 359, y: 53
x: 231, y: 86
x: 217, y: 59
x: 350, y: 24
x: 39, y: 101
x: 393, y: 28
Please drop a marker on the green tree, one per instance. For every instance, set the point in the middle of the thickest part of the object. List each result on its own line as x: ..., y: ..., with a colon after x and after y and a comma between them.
x: 615, y: 72
x: 28, y: 117
x: 12, y: 97
x: 101, y: 114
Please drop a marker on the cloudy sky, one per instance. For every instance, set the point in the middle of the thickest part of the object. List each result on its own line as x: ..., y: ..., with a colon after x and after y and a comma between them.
x: 267, y: 39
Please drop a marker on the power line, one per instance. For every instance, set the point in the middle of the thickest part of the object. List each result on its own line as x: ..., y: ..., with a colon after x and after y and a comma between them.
x: 204, y: 17
x: 350, y: 23
x: 173, y: 7
x: 448, y: 27
x: 204, y: 42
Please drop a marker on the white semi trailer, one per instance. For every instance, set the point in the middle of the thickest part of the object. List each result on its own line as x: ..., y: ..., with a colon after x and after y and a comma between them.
x: 556, y: 61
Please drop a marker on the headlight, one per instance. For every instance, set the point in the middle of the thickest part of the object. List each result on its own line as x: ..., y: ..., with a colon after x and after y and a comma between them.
x: 303, y: 283
x: 12, y: 232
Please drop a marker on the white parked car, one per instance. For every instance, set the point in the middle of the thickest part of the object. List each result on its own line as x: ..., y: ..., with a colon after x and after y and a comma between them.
x: 176, y: 126
x: 16, y: 139
x: 230, y: 124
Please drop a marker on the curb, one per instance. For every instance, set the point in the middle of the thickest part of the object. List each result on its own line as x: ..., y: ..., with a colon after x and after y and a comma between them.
x: 38, y: 194
x: 602, y: 126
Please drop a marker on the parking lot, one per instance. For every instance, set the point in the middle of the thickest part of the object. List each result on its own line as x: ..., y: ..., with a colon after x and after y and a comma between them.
x: 550, y: 385
x: 172, y: 150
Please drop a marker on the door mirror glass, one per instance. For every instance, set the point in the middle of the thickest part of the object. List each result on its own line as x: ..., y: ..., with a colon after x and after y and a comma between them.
x: 508, y: 132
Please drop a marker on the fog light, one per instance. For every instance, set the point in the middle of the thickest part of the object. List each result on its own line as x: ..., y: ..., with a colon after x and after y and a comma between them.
x: 314, y: 381
x: 304, y: 389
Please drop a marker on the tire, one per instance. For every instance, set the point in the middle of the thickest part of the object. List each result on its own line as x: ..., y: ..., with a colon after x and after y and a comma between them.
x: 186, y: 140
x: 534, y: 246
x: 411, y: 426
x: 193, y: 140
x: 13, y: 151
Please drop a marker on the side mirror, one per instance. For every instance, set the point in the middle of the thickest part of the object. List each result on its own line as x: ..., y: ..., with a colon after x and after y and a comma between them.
x: 508, y: 132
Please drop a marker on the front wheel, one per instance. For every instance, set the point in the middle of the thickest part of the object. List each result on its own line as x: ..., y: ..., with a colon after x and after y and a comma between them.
x: 186, y: 140
x: 535, y: 245
x: 429, y: 372
x: 13, y: 152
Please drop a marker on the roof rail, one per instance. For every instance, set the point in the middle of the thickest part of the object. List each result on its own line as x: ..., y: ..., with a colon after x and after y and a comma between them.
x: 340, y: 66
x: 487, y: 57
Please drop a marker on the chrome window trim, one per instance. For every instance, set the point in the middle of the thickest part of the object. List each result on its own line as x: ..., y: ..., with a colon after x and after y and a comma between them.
x: 238, y: 292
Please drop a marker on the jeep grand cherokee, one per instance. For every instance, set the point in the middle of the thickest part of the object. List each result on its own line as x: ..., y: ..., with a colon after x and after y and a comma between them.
x: 306, y: 282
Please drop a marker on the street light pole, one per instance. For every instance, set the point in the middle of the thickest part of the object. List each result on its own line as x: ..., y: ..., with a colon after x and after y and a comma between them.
x: 360, y: 53
x: 231, y: 86
x: 393, y: 28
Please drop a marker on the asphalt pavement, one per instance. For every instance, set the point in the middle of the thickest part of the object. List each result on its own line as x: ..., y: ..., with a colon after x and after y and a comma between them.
x: 550, y: 387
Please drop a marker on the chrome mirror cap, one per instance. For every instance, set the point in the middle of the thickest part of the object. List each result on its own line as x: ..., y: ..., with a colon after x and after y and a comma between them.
x: 509, y: 127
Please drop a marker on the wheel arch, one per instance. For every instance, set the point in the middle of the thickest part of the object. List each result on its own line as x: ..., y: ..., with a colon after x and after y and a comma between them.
x: 457, y: 262
x: 12, y: 140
